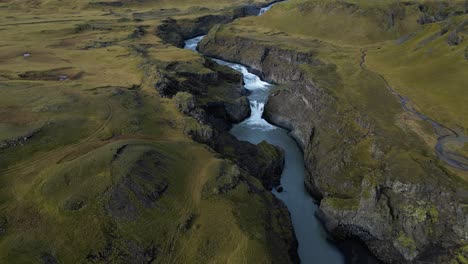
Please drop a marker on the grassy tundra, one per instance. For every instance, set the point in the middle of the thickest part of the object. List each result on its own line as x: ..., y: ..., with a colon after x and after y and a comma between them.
x: 95, y: 165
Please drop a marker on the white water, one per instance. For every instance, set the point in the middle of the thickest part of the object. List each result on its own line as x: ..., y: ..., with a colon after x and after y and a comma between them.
x: 192, y: 44
x: 259, y: 90
x: 265, y: 9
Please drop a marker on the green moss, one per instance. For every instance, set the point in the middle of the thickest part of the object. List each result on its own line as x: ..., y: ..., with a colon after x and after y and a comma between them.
x: 422, y: 211
x: 369, y: 185
x: 341, y: 204
x: 269, y: 152
x: 184, y: 101
x: 434, y: 213
x: 462, y: 259
x: 461, y: 255
x: 406, y: 241
x: 227, y: 179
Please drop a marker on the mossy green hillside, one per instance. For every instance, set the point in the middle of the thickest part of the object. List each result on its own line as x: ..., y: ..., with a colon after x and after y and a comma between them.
x: 94, y: 164
x: 429, y: 71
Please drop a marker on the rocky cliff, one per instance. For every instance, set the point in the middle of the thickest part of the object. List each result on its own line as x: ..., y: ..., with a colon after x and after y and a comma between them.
x: 392, y: 194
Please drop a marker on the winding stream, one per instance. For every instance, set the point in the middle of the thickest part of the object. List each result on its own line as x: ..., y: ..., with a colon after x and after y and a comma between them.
x: 447, y: 139
x: 446, y: 136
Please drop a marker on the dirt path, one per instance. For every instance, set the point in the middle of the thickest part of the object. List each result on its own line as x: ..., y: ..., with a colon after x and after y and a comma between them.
x: 445, y: 134
x: 56, y: 155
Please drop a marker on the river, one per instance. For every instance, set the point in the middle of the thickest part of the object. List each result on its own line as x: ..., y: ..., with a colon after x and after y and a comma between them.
x: 314, y: 242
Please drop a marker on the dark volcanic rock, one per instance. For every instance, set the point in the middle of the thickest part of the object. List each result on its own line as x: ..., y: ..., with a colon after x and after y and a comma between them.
x: 263, y: 161
x: 139, y: 32
x: 453, y: 38
x: 120, y: 205
x: 169, y: 32
x: 144, y: 180
x: 19, y: 141
x: 48, y: 258
x: 280, y: 215
x: 273, y: 63
x: 107, y: 4
x: 238, y: 110
x: 174, y: 32
x: 74, y: 203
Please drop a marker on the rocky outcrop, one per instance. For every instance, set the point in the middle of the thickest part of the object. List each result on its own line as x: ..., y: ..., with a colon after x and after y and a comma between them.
x: 455, y: 38
x: 264, y: 63
x: 19, y: 141
x: 213, y: 122
x: 264, y: 161
x: 176, y: 31
x: 238, y: 110
x: 59, y: 74
x: 212, y: 125
x: 404, y: 207
x: 215, y: 111
x: 432, y: 12
x: 145, y: 181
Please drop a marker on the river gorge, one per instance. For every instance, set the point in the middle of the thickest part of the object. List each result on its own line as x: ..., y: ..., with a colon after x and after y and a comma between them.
x: 235, y: 131
x: 314, y: 243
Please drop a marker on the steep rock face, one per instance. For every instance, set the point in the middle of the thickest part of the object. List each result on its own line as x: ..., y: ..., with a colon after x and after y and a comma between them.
x: 215, y: 112
x: 176, y: 31
x: 401, y: 218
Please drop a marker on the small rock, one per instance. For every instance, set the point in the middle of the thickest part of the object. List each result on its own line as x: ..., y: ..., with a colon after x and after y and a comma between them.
x: 3, y: 225
x: 239, y: 110
x: 279, y: 189
x: 74, y: 203
x: 118, y: 91
x: 48, y: 258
